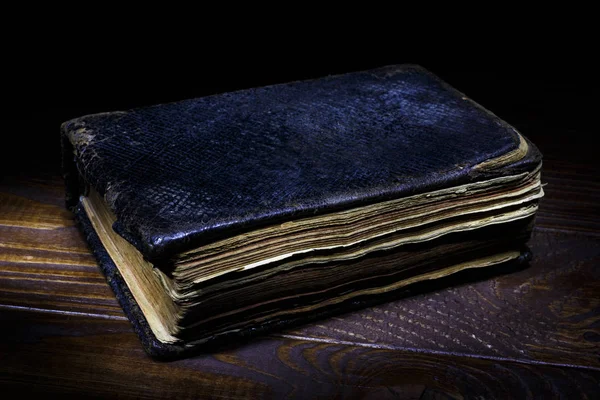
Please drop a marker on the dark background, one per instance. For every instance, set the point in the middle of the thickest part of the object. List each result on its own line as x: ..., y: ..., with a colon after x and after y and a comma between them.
x: 545, y: 92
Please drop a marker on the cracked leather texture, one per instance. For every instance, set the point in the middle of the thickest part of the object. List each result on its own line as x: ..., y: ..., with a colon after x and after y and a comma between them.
x: 182, y: 174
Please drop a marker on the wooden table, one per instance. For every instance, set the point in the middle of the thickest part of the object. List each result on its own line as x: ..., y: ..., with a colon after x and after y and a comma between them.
x: 533, y: 332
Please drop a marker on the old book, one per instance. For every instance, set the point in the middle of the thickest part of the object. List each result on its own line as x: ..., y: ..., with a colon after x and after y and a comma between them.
x: 224, y: 216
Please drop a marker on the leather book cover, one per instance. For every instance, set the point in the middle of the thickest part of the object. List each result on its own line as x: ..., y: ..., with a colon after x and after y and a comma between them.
x: 182, y: 175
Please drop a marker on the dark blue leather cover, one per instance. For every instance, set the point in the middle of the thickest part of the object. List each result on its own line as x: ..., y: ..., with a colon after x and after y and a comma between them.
x: 181, y: 174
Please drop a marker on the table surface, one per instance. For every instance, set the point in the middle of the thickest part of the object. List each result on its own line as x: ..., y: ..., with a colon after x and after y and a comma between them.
x: 531, y: 332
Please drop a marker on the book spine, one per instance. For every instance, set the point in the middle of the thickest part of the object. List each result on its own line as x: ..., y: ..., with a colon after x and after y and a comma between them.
x: 74, y: 183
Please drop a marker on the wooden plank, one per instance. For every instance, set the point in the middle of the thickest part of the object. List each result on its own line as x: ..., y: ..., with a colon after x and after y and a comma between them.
x: 51, y: 269
x: 81, y: 356
x: 549, y: 312
x: 532, y: 332
x: 45, y: 263
x: 572, y: 201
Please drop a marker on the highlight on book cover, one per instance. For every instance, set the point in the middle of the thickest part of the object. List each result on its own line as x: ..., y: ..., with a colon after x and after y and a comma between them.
x: 230, y: 215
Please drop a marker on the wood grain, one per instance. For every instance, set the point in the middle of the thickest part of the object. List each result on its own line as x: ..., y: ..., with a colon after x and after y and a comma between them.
x: 549, y: 312
x: 531, y: 333
x: 50, y: 268
x: 83, y: 356
x: 572, y: 202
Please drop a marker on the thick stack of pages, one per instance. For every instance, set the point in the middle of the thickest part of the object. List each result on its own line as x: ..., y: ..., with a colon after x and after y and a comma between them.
x: 233, y: 214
